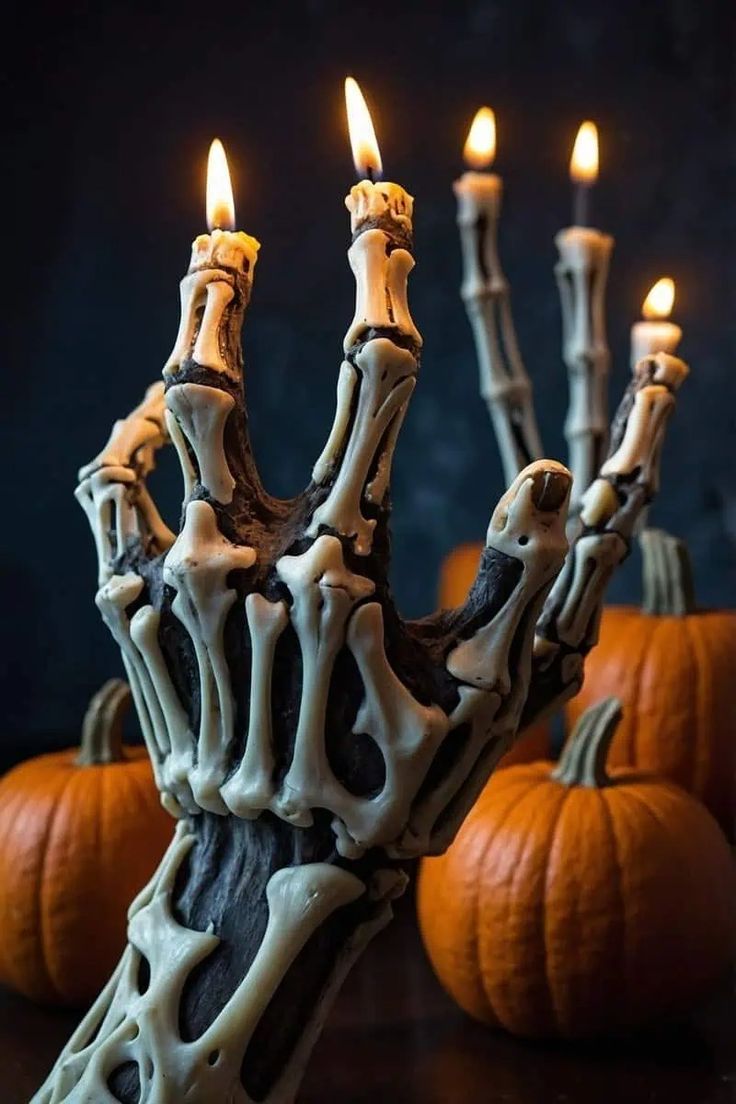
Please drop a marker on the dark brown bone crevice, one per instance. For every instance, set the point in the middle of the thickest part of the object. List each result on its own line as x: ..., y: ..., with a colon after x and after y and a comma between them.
x: 223, y: 882
x: 125, y: 1083
x: 301, y: 991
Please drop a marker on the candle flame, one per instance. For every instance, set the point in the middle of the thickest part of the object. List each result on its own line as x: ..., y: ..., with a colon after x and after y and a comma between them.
x: 366, y: 154
x: 660, y: 300
x: 584, y: 160
x: 480, y: 145
x: 220, y: 203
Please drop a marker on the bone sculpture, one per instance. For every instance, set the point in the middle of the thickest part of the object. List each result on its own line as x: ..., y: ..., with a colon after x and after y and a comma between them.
x: 307, y: 739
x: 504, y: 383
x: 582, y: 272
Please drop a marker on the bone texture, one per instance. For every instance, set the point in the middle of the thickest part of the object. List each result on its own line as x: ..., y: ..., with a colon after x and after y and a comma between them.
x: 112, y: 492
x: 140, y: 1026
x: 504, y: 383
x: 582, y: 272
x: 611, y: 510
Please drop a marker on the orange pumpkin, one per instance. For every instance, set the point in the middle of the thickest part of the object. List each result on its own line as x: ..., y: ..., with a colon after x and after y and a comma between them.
x: 81, y: 831
x: 575, y: 901
x: 674, y: 669
x: 457, y: 574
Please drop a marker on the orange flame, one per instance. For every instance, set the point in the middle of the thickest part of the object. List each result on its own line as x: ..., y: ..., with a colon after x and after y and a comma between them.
x: 480, y: 145
x: 220, y: 203
x: 660, y: 300
x: 366, y: 154
x: 584, y: 160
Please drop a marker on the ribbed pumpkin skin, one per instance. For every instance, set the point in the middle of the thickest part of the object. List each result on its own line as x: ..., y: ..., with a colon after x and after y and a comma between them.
x: 456, y: 577
x: 676, y: 678
x: 571, y: 911
x: 76, y: 845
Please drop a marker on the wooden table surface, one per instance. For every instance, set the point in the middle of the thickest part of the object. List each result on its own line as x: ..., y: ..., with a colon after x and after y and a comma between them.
x: 395, y: 1037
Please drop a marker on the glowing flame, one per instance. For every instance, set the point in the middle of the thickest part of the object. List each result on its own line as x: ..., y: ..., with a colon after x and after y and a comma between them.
x: 220, y: 203
x: 480, y: 145
x: 584, y: 160
x: 659, y: 301
x: 366, y: 154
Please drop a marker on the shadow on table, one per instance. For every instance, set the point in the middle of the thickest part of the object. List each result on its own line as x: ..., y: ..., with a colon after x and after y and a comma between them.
x: 396, y: 1037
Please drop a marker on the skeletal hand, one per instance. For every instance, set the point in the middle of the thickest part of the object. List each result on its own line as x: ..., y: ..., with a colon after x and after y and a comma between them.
x: 269, y: 665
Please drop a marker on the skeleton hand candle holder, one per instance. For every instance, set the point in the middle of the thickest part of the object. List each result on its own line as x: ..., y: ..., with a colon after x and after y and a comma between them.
x: 307, y: 738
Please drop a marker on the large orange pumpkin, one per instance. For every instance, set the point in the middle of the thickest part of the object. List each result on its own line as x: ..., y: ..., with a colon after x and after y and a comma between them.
x: 576, y: 902
x: 674, y: 669
x: 81, y: 831
x: 457, y: 574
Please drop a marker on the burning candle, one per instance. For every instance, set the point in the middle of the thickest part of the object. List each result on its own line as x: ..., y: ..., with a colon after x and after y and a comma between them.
x: 656, y: 333
x: 206, y: 290
x: 581, y: 272
x: 504, y: 383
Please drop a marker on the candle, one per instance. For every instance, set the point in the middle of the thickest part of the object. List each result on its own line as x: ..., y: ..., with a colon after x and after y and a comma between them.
x: 582, y: 271
x: 504, y: 383
x: 656, y: 333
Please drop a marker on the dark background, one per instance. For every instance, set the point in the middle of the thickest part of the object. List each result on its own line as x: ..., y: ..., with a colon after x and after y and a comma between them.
x: 109, y: 110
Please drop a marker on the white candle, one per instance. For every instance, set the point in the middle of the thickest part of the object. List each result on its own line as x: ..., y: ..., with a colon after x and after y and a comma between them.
x: 656, y: 333
x: 504, y: 383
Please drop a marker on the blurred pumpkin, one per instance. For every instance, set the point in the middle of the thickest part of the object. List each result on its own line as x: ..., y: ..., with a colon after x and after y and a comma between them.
x: 576, y: 902
x: 674, y: 669
x: 457, y: 575
x: 81, y: 832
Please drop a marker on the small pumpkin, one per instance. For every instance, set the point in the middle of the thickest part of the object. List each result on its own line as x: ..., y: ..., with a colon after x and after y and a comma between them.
x: 81, y: 832
x: 674, y: 669
x: 577, y: 901
x: 457, y: 575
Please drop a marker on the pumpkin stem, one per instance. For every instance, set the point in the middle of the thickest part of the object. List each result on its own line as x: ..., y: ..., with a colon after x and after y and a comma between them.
x: 102, y: 728
x: 668, y: 575
x: 583, y: 760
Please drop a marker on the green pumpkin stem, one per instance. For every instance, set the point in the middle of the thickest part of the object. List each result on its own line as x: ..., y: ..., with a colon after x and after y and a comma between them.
x: 583, y: 760
x: 668, y: 575
x: 102, y: 728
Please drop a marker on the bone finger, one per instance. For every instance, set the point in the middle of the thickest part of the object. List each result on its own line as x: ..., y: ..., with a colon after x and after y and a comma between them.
x: 121, y: 514
x: 378, y: 373
x: 143, y: 430
x: 525, y: 549
x: 611, y: 509
x: 204, y: 374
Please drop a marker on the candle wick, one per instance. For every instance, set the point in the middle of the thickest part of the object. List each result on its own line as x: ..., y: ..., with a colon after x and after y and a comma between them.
x: 581, y: 213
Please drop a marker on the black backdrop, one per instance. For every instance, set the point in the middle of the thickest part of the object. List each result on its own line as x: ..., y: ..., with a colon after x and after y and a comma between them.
x: 109, y: 110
